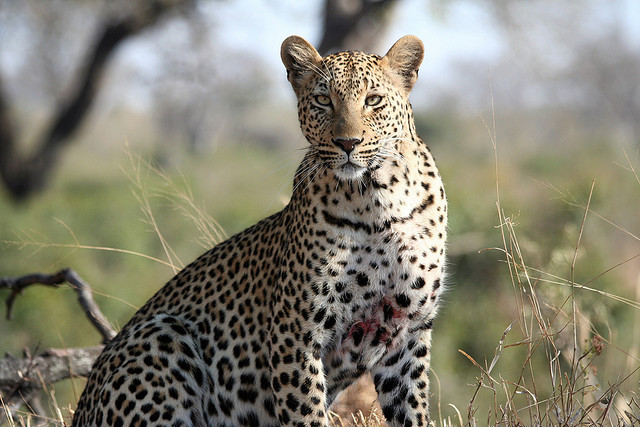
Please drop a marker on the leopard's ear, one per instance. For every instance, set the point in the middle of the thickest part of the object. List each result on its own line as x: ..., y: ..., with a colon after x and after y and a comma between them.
x: 404, y: 59
x: 300, y: 59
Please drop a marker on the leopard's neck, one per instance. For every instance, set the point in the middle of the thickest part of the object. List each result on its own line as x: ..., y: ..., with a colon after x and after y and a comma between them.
x: 404, y: 189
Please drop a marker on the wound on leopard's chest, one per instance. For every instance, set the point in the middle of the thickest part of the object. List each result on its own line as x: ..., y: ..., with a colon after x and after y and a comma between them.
x: 378, y: 326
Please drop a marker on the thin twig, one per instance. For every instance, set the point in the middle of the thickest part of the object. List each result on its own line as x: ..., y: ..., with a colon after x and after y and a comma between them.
x: 572, y: 272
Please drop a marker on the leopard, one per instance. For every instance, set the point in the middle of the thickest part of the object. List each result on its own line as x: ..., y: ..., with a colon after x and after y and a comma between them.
x: 268, y: 327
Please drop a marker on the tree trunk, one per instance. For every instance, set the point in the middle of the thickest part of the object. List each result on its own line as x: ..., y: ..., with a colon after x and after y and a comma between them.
x: 354, y: 24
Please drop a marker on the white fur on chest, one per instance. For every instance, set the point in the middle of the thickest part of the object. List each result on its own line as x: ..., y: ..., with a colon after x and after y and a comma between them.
x: 379, y: 285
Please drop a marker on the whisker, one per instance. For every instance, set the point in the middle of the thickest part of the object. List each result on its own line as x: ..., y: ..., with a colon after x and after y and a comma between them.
x: 330, y: 71
x: 298, y: 183
x: 318, y: 171
x: 388, y: 152
x: 396, y: 138
x: 319, y: 71
x: 393, y: 154
x: 283, y: 162
x: 305, y: 172
x: 304, y: 168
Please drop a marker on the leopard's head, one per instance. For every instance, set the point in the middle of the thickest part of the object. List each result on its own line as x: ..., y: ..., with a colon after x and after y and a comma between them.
x: 353, y: 107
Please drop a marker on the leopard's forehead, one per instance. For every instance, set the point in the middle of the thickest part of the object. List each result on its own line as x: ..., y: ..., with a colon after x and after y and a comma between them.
x: 352, y: 61
x: 351, y: 69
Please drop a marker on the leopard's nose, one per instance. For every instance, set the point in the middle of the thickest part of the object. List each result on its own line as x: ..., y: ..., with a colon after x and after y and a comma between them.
x: 347, y: 144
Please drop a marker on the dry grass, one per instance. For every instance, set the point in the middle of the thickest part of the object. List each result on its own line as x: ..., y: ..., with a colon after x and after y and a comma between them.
x: 567, y: 390
x: 564, y: 337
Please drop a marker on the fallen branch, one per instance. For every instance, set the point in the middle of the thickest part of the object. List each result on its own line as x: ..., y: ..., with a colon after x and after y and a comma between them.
x: 85, y: 296
x: 53, y: 365
x: 22, y: 378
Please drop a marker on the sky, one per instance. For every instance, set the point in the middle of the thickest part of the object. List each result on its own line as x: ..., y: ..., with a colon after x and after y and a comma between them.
x: 461, y: 30
x: 465, y: 31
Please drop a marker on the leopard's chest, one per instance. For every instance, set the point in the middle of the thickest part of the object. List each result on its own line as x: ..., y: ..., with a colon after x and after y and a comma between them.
x: 375, y: 288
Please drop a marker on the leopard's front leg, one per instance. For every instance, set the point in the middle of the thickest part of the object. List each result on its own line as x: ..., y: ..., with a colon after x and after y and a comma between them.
x: 402, y: 382
x: 297, y: 375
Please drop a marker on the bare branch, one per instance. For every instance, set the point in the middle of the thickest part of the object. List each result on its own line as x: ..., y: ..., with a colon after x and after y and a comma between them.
x: 85, y: 296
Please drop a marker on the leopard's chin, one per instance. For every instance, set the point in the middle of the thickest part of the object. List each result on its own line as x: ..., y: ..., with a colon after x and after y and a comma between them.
x: 349, y: 172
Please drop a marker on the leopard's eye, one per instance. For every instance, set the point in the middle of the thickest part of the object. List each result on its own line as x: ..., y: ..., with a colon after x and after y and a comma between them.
x: 323, y: 100
x: 373, y: 100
